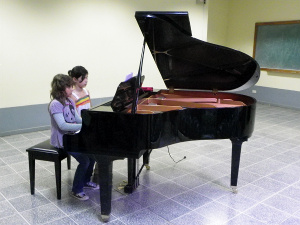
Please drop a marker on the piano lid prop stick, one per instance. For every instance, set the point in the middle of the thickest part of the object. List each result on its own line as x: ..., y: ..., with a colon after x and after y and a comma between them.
x: 138, y: 81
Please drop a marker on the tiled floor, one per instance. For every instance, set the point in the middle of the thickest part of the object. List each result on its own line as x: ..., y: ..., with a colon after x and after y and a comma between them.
x: 193, y: 191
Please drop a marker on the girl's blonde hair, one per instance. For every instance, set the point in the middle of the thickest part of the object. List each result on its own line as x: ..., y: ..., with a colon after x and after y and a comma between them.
x: 58, y: 86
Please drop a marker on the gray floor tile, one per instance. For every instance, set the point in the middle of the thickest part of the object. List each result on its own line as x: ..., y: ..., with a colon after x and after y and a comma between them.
x: 149, y: 179
x: 267, y: 214
x: 147, y: 197
x: 291, y: 221
x: 169, y: 209
x: 15, y: 138
x: 192, y: 218
x: 190, y: 181
x: 35, y: 135
x: 5, y: 146
x: 247, y: 176
x: 10, y: 180
x: 26, y: 202
x: 51, y: 193
x: 16, y: 190
x: 288, y: 175
x: 292, y: 192
x: 71, y: 205
x: 89, y: 216
x: 5, y: 170
x: 243, y: 219
x: 169, y: 189
x: 283, y: 203
x: 6, y: 209
x: 43, y: 214
x: 124, y: 206
x: 2, y: 163
x: 9, y: 153
x: 237, y: 201
x: 22, y: 166
x: 15, y: 159
x: 266, y: 167
x: 270, y: 184
x: 39, y: 173
x: 191, y: 199
x: 255, y: 192
x: 143, y: 216
x: 217, y: 212
x: 63, y: 221
x: 14, y: 219
x: 212, y: 191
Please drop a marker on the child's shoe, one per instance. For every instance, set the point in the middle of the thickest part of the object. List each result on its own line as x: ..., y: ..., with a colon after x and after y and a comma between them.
x: 80, y: 196
x: 91, y: 185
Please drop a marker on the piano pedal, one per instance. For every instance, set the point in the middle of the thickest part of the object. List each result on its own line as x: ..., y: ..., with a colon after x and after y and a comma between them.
x: 147, y: 166
x: 234, y: 189
x: 122, y: 185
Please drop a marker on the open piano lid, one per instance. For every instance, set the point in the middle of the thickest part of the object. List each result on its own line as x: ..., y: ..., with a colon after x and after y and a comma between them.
x: 188, y: 63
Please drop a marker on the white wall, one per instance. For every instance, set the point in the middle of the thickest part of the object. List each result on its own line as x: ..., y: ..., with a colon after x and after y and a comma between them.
x: 242, y: 16
x: 217, y: 23
x: 42, y: 38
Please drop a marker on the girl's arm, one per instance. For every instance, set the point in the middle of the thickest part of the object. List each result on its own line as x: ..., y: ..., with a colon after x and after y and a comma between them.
x: 63, y: 125
x: 78, y: 119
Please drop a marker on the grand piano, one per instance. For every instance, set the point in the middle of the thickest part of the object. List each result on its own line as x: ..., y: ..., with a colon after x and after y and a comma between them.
x: 196, y: 105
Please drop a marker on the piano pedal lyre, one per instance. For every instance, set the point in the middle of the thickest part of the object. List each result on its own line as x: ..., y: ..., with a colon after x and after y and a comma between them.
x: 234, y: 189
x: 122, y: 185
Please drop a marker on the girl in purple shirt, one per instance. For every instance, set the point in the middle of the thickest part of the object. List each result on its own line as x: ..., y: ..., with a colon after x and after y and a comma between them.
x: 65, y: 119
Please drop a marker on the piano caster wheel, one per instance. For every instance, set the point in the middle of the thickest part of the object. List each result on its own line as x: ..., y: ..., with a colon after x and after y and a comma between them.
x: 105, y: 218
x: 234, y: 189
x: 147, y: 167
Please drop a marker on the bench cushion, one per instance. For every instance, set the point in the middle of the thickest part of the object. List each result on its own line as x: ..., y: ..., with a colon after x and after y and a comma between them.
x: 45, y: 147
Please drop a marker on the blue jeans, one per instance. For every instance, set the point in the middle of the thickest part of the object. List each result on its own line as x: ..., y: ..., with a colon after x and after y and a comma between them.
x: 83, y: 172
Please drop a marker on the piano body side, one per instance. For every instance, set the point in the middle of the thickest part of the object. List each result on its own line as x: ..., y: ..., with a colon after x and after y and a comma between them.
x: 204, y: 123
x: 130, y: 135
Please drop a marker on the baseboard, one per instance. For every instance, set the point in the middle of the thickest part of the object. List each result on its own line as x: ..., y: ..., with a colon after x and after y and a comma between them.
x: 274, y: 96
x: 31, y: 118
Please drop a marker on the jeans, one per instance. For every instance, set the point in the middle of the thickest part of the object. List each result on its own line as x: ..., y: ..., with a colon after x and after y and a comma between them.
x: 83, y: 172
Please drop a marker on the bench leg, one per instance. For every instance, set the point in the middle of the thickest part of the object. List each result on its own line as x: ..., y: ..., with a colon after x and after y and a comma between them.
x: 31, y: 172
x: 58, y: 177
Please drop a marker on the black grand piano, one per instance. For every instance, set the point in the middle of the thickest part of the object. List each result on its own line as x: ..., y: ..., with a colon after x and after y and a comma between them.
x: 137, y: 121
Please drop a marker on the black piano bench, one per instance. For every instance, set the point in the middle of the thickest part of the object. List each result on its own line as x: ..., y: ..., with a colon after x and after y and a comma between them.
x: 45, y: 151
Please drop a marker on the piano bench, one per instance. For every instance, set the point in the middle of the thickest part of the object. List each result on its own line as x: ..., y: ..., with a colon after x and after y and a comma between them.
x: 45, y: 151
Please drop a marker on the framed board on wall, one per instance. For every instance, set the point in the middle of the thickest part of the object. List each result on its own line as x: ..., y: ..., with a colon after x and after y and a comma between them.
x: 277, y: 46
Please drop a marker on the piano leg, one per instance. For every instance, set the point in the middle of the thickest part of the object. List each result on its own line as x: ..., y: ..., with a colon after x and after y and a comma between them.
x: 105, y: 182
x: 235, y: 161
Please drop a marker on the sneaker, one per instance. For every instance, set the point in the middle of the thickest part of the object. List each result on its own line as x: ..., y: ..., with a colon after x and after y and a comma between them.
x: 80, y: 196
x: 91, y: 185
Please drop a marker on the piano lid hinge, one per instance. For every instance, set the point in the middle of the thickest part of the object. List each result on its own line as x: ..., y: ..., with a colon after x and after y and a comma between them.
x: 171, y: 90
x: 215, y: 91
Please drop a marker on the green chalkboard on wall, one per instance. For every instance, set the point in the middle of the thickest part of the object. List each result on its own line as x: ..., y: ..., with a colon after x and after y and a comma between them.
x: 277, y: 46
